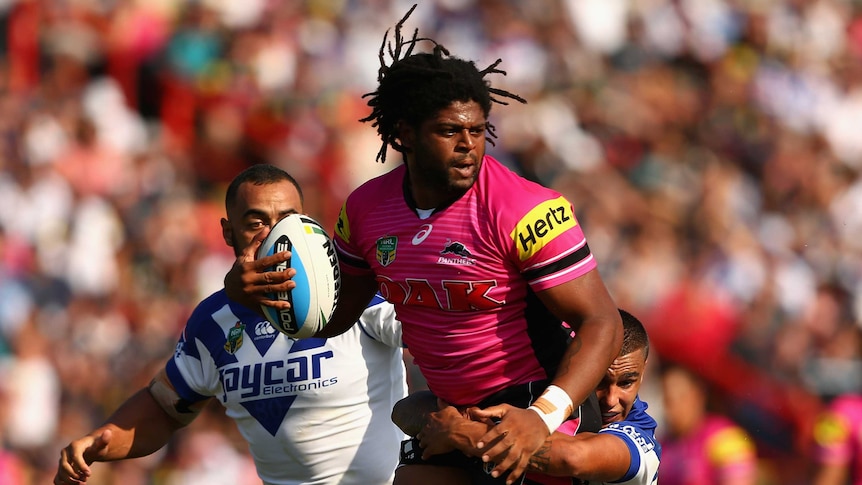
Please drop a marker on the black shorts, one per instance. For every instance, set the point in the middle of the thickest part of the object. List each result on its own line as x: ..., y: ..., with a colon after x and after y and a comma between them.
x: 479, y: 472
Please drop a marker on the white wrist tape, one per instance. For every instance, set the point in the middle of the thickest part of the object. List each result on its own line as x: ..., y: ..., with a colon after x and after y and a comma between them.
x: 554, y: 406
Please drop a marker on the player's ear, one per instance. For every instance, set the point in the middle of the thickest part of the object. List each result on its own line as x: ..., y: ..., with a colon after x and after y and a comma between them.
x: 405, y: 134
x: 226, y: 232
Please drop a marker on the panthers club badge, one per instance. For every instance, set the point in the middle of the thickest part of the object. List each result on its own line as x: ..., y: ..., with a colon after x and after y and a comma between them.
x: 386, y: 249
x: 234, y: 338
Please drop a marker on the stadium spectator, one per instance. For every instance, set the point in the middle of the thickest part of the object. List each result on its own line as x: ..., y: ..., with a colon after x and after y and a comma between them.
x: 700, y: 446
x: 838, y: 442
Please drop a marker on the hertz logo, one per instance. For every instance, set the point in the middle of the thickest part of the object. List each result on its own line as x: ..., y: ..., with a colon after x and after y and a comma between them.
x: 542, y: 225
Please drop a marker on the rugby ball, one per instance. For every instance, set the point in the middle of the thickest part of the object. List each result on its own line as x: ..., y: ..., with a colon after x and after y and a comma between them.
x: 317, y: 279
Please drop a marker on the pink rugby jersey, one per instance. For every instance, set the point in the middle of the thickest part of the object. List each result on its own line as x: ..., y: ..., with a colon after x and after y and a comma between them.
x: 718, y: 452
x: 463, y: 278
x: 838, y: 436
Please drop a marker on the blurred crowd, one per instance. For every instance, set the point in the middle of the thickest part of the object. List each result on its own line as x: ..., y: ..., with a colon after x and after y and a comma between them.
x: 711, y: 148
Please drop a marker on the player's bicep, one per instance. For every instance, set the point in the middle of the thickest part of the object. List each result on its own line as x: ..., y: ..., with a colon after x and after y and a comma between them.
x: 580, y: 299
x: 178, y: 408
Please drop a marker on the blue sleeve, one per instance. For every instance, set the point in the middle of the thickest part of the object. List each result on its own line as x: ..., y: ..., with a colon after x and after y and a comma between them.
x: 644, y: 451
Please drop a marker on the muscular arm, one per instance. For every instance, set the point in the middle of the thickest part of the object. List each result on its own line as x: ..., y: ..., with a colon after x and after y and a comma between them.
x: 411, y: 413
x: 138, y: 428
x: 141, y: 425
x: 585, y: 304
x: 440, y: 426
x: 587, y: 456
x: 355, y: 294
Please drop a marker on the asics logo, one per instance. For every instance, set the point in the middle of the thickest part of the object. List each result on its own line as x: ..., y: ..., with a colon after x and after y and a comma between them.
x: 422, y: 234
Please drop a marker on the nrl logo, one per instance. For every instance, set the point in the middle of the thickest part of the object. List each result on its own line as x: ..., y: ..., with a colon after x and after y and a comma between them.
x: 386, y: 247
x: 234, y: 338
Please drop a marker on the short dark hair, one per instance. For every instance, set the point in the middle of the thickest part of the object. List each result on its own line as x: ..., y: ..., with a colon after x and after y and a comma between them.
x: 259, y: 174
x: 415, y: 87
x: 634, y: 335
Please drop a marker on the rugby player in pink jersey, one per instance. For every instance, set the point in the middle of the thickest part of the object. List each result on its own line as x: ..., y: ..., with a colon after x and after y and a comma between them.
x: 481, y: 264
x: 838, y: 442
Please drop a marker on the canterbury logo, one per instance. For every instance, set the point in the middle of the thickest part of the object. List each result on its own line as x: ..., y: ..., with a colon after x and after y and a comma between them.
x: 264, y: 329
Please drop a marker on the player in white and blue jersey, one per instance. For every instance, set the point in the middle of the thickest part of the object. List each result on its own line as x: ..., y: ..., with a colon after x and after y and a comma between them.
x: 314, y: 411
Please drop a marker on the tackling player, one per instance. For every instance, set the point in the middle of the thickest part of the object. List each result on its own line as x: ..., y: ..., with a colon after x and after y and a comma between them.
x: 313, y: 411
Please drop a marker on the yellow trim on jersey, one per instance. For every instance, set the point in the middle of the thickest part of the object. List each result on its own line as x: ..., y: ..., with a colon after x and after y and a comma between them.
x: 830, y: 429
x: 544, y: 223
x: 729, y: 445
x: 342, y: 228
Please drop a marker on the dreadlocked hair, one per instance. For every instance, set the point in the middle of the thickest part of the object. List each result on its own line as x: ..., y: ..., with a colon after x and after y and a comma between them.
x: 414, y: 87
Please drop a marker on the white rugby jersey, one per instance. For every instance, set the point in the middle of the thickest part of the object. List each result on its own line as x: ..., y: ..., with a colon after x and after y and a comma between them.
x: 314, y: 411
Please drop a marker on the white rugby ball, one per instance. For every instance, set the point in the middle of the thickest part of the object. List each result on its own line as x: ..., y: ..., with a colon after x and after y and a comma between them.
x: 317, y: 279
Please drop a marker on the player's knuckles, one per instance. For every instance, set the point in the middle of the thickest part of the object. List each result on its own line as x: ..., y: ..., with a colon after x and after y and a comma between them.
x: 284, y: 286
x: 493, y: 458
x: 514, y: 455
x: 499, y: 450
x: 247, y: 279
x: 501, y: 469
x: 506, y: 464
x: 501, y: 453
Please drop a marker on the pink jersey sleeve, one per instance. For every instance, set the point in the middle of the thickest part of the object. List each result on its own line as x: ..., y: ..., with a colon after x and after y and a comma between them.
x: 357, y: 204
x: 547, y: 243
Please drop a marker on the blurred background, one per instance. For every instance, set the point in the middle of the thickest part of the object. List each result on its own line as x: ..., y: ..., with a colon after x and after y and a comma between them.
x: 711, y: 148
